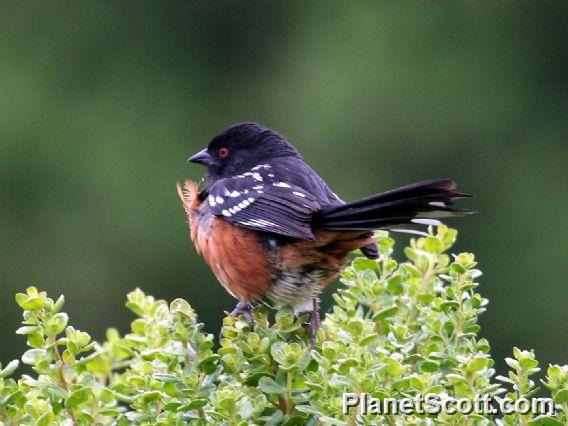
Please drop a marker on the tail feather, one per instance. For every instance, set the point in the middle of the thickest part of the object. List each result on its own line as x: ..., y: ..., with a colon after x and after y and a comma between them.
x: 420, y: 203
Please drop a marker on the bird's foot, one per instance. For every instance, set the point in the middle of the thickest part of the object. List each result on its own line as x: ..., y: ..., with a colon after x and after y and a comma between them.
x: 244, y: 309
x: 315, y: 323
x: 313, y: 326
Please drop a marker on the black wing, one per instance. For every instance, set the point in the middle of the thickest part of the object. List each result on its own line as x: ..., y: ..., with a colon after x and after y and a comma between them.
x: 254, y: 200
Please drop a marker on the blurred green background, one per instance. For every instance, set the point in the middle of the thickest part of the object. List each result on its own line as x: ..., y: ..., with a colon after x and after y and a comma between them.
x: 102, y: 102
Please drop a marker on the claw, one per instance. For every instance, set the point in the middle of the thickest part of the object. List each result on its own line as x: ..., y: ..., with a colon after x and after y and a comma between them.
x: 244, y: 309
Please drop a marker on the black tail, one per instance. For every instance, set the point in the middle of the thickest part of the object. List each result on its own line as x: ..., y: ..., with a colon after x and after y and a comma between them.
x: 419, y: 203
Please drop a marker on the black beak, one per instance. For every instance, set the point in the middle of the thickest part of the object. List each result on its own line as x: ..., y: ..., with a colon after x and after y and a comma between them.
x: 202, y: 157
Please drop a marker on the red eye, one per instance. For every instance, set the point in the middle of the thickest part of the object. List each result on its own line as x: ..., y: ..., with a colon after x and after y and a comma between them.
x: 223, y: 153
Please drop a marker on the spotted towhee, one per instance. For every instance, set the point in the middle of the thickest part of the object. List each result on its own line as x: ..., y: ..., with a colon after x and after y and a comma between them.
x: 271, y: 229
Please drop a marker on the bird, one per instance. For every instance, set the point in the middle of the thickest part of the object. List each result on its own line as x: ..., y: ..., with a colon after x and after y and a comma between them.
x: 273, y: 231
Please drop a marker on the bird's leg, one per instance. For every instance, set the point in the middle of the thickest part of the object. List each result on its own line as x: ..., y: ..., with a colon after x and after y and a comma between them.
x: 315, y: 324
x: 244, y: 308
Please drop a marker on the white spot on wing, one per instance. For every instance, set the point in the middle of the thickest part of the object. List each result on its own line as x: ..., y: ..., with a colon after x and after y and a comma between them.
x: 433, y: 222
x: 437, y: 204
x: 281, y: 185
x: 299, y: 194
x: 226, y: 213
x: 260, y: 223
x: 255, y: 175
x: 253, y: 223
x: 261, y: 166
x: 219, y: 200
x: 211, y: 200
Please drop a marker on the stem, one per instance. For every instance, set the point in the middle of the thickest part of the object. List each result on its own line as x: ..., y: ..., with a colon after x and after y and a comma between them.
x: 429, y: 272
x: 121, y: 364
x: 379, y: 326
x: 289, y: 405
x: 353, y: 417
x: 200, y: 411
x: 64, y: 382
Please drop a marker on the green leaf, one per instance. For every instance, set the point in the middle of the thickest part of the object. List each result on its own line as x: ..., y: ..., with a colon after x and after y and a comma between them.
x: 329, y: 351
x: 410, y: 253
x: 32, y: 303
x: 367, y: 340
x: 394, y: 368
x: 180, y: 305
x: 457, y: 269
x: 58, y: 323
x: 429, y: 366
x: 110, y: 412
x: 426, y: 298
x: 59, y: 304
x: 394, y: 285
x: 513, y: 363
x: 331, y: 421
x: 477, y: 364
x: 45, y: 419
x: 28, y: 329
x: 16, y: 398
x: 36, y: 340
x: 528, y: 363
x: 270, y: 387
x: 194, y: 405
x: 137, y: 309
x: 561, y: 397
x: 21, y: 299
x: 9, y: 369
x: 433, y: 245
x: 307, y: 409
x: 138, y: 418
x: 78, y: 397
x: 364, y: 264
x: 545, y: 421
x: 449, y: 305
x: 385, y: 313
x: 151, y: 396
x: 29, y: 357
x: 168, y: 378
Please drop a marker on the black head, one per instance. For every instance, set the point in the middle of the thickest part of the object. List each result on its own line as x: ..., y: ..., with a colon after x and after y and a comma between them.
x: 240, y: 147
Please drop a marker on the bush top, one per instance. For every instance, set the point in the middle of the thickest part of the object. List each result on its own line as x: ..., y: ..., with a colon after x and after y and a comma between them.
x: 396, y: 330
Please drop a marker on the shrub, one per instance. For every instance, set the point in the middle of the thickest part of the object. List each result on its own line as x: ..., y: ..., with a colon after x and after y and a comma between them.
x: 396, y: 330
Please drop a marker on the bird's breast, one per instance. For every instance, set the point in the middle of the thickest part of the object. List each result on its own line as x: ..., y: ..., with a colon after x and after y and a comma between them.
x: 235, y: 255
